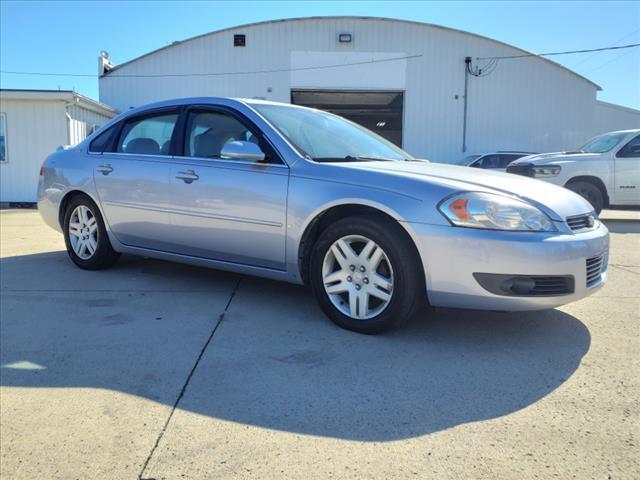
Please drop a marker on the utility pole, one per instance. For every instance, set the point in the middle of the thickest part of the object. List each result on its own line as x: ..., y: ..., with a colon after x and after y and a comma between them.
x: 467, y: 66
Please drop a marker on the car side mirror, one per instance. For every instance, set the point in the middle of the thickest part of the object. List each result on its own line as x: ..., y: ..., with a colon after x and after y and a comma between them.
x: 241, y: 150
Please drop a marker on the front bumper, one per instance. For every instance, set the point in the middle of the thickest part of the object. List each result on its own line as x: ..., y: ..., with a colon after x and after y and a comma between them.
x: 451, y: 256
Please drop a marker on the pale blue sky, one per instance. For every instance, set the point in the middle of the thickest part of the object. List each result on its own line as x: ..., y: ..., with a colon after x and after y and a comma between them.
x: 67, y: 36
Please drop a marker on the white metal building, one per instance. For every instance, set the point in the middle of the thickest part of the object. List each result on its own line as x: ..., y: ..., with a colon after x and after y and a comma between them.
x: 34, y: 123
x: 404, y: 79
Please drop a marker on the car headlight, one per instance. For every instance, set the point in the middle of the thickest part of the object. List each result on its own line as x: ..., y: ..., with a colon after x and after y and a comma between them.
x: 542, y: 171
x: 495, y: 212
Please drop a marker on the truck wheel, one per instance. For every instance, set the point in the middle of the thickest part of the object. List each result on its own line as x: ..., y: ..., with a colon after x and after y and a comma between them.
x: 590, y: 192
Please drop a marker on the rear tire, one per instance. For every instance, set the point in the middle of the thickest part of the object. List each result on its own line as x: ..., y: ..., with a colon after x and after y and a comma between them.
x: 590, y: 192
x: 379, y: 272
x: 85, y: 235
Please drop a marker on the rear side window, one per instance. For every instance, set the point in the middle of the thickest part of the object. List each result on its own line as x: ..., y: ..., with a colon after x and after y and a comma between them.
x: 491, y: 161
x: 149, y: 135
x: 103, y: 141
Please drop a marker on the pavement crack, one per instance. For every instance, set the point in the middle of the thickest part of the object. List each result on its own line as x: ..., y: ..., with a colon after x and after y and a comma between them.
x: 186, y: 383
x: 625, y: 268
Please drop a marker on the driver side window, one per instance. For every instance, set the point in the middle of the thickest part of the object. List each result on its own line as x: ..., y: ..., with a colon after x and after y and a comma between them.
x: 208, y: 132
x: 631, y: 149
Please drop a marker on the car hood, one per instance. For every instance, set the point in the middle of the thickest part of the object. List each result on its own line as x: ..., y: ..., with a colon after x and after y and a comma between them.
x: 555, y: 157
x: 557, y: 202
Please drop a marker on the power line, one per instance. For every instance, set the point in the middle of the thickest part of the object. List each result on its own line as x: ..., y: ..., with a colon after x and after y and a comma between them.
x: 11, y: 72
x: 584, y: 60
x: 215, y: 74
x: 482, y: 71
x: 608, y: 62
x: 632, y: 45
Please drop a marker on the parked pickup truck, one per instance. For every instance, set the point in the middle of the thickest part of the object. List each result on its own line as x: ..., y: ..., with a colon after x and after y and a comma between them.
x: 605, y: 170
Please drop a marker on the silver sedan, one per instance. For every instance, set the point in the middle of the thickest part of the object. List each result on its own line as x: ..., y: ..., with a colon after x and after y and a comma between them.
x: 304, y: 196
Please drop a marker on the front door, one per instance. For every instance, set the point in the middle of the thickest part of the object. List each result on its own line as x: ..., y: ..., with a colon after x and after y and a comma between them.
x: 223, y: 209
x: 627, y: 173
x: 133, y: 180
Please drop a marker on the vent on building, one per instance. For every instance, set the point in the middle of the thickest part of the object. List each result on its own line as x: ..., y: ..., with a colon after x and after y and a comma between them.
x: 239, y: 40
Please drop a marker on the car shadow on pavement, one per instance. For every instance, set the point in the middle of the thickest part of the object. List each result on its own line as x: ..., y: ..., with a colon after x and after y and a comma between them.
x: 275, y: 361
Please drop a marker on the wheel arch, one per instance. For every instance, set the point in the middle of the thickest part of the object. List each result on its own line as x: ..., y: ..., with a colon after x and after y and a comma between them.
x: 332, y: 213
x: 596, y: 181
x: 66, y: 198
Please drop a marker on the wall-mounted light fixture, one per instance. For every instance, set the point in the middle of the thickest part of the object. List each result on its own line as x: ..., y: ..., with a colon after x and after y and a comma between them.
x: 344, y: 38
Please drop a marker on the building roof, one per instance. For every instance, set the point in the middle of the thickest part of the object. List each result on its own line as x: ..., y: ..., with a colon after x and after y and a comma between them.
x: 348, y: 17
x: 58, y: 95
x: 618, y: 107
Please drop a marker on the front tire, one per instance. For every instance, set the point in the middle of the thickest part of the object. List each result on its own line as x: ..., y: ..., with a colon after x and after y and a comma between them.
x: 365, y: 274
x: 85, y: 235
x: 590, y: 192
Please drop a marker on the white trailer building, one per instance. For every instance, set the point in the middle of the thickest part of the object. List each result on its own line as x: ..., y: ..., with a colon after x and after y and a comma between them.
x: 33, y: 123
x: 406, y: 80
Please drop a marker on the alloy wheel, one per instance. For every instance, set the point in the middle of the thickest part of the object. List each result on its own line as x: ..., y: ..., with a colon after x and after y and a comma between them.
x: 357, y: 277
x: 83, y: 232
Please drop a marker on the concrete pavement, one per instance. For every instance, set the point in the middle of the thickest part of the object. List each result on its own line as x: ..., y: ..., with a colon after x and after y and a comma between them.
x: 158, y: 370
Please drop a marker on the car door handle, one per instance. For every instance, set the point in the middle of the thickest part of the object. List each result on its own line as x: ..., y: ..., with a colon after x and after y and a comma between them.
x: 189, y: 176
x: 105, y: 169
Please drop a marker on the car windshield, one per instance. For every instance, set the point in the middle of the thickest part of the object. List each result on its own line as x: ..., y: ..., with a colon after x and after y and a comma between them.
x: 603, y: 143
x: 322, y: 136
x: 468, y: 160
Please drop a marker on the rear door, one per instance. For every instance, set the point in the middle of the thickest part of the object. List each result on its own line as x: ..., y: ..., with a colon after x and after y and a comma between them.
x: 627, y: 173
x: 224, y: 209
x: 132, y: 179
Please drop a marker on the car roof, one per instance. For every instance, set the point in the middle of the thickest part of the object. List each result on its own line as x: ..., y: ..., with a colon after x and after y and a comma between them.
x: 507, y: 152
x: 208, y: 100
x: 631, y: 130
x: 176, y: 102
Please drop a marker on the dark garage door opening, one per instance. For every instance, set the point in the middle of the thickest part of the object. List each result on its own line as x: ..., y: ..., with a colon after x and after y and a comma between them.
x: 380, y: 112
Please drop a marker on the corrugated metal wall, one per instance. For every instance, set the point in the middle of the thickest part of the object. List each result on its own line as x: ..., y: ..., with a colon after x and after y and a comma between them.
x: 82, y: 122
x: 36, y: 128
x: 610, y: 117
x: 529, y: 104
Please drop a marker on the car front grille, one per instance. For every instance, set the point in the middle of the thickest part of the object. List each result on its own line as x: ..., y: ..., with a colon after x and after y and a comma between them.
x: 581, y: 222
x: 525, y: 169
x: 594, y: 269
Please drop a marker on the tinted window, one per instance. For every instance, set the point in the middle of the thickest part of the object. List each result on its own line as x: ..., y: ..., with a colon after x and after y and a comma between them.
x: 491, y: 161
x: 631, y: 149
x: 149, y: 135
x: 3, y: 137
x: 103, y: 141
x: 468, y: 160
x: 505, y: 160
x: 208, y: 132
